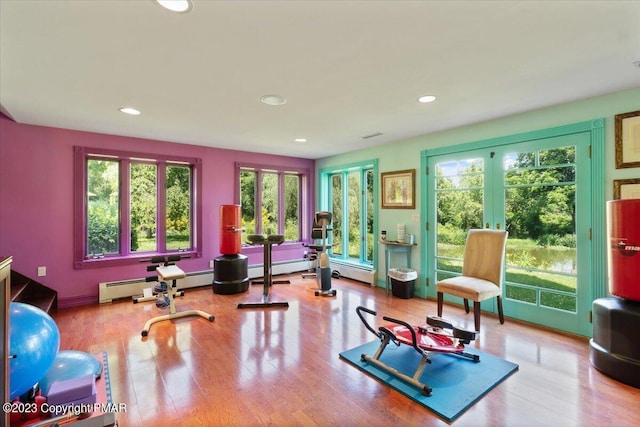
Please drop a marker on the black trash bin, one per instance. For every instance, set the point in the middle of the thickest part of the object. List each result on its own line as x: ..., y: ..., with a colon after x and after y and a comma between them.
x: 403, y: 282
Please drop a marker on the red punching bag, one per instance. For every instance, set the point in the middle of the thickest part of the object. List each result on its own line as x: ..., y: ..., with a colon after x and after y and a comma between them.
x: 623, y: 217
x: 230, y: 230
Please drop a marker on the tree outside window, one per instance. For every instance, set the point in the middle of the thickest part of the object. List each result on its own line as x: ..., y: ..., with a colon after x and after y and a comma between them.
x: 103, y: 201
x: 349, y: 194
x: 128, y: 205
x: 270, y: 200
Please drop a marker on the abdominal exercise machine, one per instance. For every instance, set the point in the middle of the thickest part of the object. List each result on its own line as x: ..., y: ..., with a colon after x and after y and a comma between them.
x: 168, y: 271
x: 437, y: 336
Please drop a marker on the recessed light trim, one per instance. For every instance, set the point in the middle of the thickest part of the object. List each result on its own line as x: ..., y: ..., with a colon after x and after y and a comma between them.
x: 178, y: 6
x: 130, y: 111
x: 426, y: 99
x: 273, y: 100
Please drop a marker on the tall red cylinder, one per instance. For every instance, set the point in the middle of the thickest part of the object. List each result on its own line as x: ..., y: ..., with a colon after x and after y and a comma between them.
x: 230, y: 230
x: 623, y: 232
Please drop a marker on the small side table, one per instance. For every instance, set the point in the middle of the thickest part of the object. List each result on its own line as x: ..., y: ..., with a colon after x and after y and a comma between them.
x: 390, y: 247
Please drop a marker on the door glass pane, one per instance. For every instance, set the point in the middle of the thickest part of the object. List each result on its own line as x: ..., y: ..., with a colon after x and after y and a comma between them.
x: 178, y: 206
x: 540, y: 214
x: 103, y: 201
x: 336, y: 208
x: 248, y: 202
x: 355, y: 196
x: 143, y: 205
x: 270, y: 203
x: 459, y: 199
x: 291, y: 206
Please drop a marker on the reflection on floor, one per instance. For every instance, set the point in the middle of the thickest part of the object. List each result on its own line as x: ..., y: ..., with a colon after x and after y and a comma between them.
x: 280, y: 366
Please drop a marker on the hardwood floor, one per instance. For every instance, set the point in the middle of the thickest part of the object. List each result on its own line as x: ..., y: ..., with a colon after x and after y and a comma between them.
x: 281, y: 367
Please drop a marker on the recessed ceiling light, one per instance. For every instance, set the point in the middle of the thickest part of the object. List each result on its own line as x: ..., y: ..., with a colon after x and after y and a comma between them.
x: 426, y: 98
x: 129, y: 110
x: 273, y: 100
x: 180, y: 6
x: 300, y: 140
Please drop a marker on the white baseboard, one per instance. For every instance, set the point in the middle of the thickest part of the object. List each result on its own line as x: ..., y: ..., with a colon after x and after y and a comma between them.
x: 109, y: 291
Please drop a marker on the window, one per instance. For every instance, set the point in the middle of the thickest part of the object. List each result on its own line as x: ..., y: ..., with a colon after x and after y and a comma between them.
x: 271, y: 200
x: 131, y: 205
x: 349, y: 193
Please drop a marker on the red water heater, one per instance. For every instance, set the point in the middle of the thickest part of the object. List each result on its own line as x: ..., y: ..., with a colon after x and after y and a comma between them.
x: 623, y: 232
x: 230, y: 230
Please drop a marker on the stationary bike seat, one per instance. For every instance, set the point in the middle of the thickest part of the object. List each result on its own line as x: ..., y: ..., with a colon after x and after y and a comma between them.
x: 275, y: 239
x: 256, y: 239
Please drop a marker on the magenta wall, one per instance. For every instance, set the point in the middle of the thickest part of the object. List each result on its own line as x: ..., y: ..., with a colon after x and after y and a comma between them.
x: 36, y: 200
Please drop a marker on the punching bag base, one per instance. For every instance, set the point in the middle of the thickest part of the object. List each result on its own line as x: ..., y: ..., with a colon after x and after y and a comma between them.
x: 230, y: 274
x: 228, y: 288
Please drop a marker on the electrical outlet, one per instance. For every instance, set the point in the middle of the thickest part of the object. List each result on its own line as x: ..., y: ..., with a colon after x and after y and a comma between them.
x: 42, y: 271
x: 211, y: 264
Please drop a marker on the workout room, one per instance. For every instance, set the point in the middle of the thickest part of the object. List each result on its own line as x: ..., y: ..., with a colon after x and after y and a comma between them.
x: 319, y: 213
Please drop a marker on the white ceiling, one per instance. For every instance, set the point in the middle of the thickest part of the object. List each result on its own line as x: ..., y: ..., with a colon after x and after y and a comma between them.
x: 347, y: 68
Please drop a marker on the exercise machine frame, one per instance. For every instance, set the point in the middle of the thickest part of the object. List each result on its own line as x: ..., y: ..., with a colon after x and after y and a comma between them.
x: 437, y: 336
x: 267, y: 280
x: 322, y: 221
x: 168, y: 271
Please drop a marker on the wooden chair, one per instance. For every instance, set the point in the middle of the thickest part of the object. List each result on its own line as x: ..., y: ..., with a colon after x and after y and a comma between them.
x: 482, y: 272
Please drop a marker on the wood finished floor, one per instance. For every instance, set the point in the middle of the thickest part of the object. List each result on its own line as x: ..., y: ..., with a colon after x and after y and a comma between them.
x: 280, y: 367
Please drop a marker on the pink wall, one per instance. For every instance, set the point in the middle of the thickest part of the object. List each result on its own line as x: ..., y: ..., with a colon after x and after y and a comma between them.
x: 36, y: 199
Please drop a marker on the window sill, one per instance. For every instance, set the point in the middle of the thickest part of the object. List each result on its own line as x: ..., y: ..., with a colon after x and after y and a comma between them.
x: 358, y: 264
x: 115, y: 261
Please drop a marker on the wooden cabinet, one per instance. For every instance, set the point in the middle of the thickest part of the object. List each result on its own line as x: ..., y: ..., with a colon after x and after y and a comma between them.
x: 5, y: 301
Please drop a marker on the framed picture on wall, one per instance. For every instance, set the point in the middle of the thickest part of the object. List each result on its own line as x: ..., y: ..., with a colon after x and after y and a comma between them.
x: 626, y: 188
x: 398, y: 189
x: 628, y: 140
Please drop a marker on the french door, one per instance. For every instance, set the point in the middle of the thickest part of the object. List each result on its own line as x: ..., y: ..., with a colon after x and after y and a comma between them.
x: 539, y: 191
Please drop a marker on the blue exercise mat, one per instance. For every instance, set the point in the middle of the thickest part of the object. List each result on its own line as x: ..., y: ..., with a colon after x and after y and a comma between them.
x: 457, y: 382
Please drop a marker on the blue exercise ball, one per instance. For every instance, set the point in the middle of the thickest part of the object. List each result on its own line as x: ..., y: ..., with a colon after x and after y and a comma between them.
x: 70, y: 364
x: 34, y: 340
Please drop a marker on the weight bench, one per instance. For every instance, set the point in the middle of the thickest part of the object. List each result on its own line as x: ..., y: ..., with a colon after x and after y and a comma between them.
x: 170, y: 272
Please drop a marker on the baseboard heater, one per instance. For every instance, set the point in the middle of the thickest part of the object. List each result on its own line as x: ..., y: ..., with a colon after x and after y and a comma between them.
x: 110, y: 291
x: 283, y: 267
x: 355, y: 272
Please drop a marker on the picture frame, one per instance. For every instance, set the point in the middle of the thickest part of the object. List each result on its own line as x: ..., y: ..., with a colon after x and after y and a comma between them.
x: 626, y: 188
x: 627, y: 129
x: 398, y: 189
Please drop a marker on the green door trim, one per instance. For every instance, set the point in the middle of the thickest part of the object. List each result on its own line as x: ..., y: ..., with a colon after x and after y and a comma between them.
x: 595, y: 128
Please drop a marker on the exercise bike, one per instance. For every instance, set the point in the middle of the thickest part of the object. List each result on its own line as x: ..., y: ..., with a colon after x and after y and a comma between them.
x: 438, y: 335
x: 323, y: 274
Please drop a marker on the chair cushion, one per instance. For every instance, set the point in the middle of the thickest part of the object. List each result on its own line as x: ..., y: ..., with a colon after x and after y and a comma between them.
x: 469, y: 287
